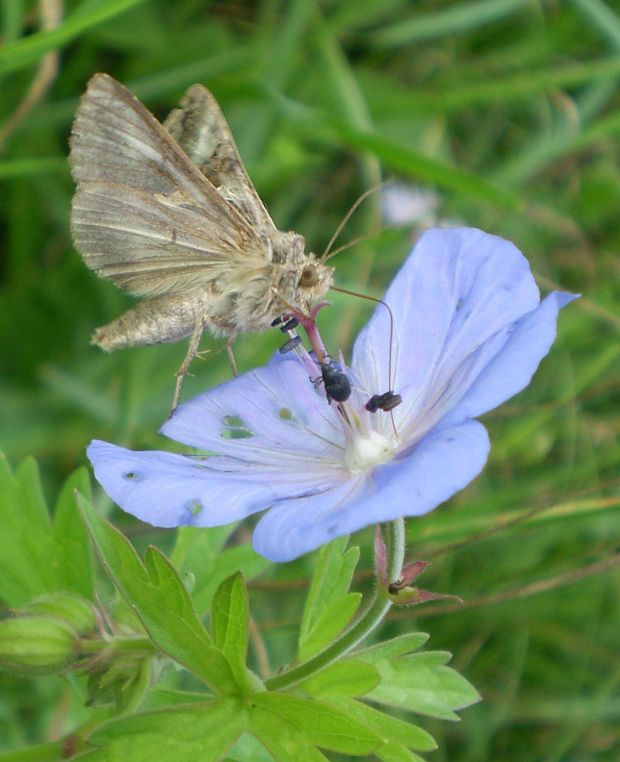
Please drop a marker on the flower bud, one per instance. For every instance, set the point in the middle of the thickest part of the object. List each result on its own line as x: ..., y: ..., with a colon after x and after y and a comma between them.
x: 36, y: 644
x: 76, y: 611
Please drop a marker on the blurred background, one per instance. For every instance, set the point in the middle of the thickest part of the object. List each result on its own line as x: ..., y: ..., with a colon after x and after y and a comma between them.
x: 499, y: 114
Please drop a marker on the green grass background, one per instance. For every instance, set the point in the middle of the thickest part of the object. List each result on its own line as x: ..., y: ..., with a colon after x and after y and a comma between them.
x: 509, y: 110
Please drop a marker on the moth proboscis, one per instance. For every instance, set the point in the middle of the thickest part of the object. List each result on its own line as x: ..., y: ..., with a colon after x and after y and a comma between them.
x: 168, y: 213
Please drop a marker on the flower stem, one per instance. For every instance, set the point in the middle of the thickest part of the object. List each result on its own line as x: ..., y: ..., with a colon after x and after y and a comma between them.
x: 372, y: 617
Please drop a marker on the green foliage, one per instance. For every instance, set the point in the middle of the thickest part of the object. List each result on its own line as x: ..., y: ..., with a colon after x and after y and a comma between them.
x: 509, y: 111
x: 37, y: 555
x: 324, y: 712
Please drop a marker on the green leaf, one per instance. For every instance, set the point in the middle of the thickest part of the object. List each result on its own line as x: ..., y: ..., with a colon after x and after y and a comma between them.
x: 331, y: 580
x: 249, y: 749
x: 395, y: 753
x: 158, y: 597
x: 282, y: 738
x: 73, y: 547
x: 421, y: 683
x: 199, y: 552
x: 229, y: 623
x: 329, y: 625
x: 403, y: 644
x: 321, y: 724
x: 27, y: 50
x: 329, y: 607
x: 184, y: 734
x: 45, y: 752
x: 28, y: 560
x: 343, y: 678
x: 392, y: 730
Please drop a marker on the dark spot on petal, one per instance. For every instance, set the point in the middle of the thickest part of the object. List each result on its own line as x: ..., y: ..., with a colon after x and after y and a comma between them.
x: 195, y: 507
x: 235, y: 428
x: 285, y: 414
x: 191, y: 510
x: 131, y: 476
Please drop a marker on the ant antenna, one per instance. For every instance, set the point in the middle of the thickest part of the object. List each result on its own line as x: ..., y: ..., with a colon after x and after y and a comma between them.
x: 387, y: 307
x: 325, y: 256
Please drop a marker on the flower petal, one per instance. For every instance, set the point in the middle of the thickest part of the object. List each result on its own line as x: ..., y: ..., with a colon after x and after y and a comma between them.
x: 169, y: 490
x: 271, y: 417
x: 512, y: 368
x: 459, y: 289
x: 442, y: 463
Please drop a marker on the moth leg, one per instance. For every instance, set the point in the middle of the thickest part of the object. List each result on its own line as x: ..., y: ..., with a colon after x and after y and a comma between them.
x: 231, y: 356
x: 192, y: 351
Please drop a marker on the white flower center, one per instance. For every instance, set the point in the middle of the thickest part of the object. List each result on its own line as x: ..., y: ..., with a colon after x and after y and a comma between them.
x: 364, y: 451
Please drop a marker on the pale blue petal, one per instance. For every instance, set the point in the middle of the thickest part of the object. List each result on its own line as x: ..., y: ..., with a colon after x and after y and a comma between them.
x: 459, y: 289
x: 442, y: 463
x: 168, y: 490
x: 272, y: 416
x: 512, y: 368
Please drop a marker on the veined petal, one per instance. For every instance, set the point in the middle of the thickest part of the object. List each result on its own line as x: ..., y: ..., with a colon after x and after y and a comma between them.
x: 271, y: 416
x: 442, y: 463
x: 168, y: 490
x: 459, y: 288
x: 511, y: 369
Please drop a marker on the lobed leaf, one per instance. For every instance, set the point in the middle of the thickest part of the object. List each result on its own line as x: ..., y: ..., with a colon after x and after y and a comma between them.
x: 184, y: 734
x: 321, y: 724
x: 229, y: 623
x: 157, y: 595
x: 343, y: 678
x: 421, y: 683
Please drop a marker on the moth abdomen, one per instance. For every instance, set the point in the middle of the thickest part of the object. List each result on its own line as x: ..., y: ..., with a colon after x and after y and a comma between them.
x: 158, y: 320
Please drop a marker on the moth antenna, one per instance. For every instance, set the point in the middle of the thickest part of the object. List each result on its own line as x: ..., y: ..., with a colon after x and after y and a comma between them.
x: 387, y: 307
x: 361, y: 238
x: 324, y: 256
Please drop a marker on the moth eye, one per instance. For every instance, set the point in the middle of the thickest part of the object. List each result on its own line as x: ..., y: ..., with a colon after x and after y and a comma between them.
x: 309, y: 277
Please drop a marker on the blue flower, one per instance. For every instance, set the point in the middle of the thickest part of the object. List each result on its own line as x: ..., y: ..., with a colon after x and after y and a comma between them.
x: 469, y: 333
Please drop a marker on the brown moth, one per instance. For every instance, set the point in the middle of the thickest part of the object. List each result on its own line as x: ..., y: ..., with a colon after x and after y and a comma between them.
x: 169, y: 214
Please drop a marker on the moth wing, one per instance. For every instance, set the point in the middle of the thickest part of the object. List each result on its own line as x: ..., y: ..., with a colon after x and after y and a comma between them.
x: 202, y: 131
x: 144, y: 216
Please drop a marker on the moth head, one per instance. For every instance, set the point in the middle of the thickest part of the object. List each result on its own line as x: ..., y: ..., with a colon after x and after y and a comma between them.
x: 315, y: 279
x: 309, y: 276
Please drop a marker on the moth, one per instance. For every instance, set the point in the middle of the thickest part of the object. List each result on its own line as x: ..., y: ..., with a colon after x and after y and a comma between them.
x: 168, y: 213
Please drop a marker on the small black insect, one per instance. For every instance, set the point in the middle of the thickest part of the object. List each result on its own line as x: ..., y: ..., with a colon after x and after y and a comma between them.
x: 337, y: 385
x: 386, y: 402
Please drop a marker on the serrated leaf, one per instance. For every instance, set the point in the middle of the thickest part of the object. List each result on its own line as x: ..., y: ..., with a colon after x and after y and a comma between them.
x: 229, y: 623
x: 329, y: 624
x: 343, y: 678
x: 320, y: 723
x: 161, y: 602
x: 282, y: 738
x: 202, y: 732
x: 330, y: 582
x: 71, y: 537
x: 198, y: 551
x: 392, y: 730
x: 420, y: 683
